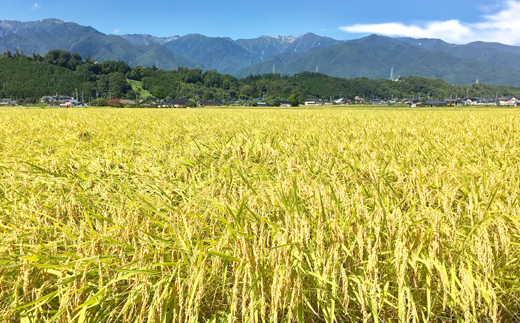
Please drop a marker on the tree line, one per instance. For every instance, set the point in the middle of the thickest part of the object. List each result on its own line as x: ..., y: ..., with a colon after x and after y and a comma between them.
x: 61, y: 72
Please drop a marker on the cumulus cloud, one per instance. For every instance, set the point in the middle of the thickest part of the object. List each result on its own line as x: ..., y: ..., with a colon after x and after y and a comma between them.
x: 117, y: 31
x: 36, y: 6
x: 502, y: 26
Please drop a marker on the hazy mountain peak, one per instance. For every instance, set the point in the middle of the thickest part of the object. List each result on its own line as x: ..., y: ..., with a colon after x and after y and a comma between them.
x: 309, y: 34
x: 377, y: 40
x: 145, y: 39
x: 289, y: 38
x: 54, y: 20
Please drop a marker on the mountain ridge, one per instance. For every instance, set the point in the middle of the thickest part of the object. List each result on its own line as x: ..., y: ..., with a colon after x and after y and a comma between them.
x: 372, y: 56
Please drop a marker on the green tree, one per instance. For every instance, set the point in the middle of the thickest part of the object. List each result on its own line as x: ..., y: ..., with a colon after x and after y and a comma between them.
x: 293, y: 99
x: 159, y: 93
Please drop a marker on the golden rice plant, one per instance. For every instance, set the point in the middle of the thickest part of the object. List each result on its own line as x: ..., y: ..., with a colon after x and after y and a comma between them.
x: 238, y: 215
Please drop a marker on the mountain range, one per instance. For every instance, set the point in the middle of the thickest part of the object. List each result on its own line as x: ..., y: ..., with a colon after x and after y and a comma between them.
x: 372, y: 57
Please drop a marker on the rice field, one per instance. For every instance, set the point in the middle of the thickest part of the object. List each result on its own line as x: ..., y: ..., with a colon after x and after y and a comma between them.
x: 238, y: 215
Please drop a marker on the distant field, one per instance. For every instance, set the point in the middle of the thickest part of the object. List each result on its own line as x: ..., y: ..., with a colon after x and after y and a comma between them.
x: 249, y: 215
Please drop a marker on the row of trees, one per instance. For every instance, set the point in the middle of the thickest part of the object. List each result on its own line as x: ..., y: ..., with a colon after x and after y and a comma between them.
x: 61, y: 72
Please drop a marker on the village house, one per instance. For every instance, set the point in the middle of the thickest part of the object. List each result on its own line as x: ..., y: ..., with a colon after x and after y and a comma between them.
x: 285, y: 104
x: 202, y: 103
x: 61, y: 100
x: 314, y: 102
x: 434, y: 103
x: 127, y: 102
x: 508, y: 100
x: 343, y: 101
x: 379, y: 101
x: 451, y: 101
x: 359, y: 99
x: 311, y: 101
x: 7, y: 102
x: 414, y: 103
x: 177, y: 103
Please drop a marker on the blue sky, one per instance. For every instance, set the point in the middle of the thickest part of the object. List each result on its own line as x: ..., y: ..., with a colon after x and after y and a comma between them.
x: 452, y: 20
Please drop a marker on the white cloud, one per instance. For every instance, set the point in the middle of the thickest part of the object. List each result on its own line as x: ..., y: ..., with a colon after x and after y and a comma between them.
x: 36, y: 6
x: 502, y: 26
x: 117, y: 31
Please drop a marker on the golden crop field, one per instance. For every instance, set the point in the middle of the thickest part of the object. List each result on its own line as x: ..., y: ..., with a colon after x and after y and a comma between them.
x: 238, y: 215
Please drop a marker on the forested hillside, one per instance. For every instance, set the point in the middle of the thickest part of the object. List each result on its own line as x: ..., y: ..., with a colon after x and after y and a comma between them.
x: 60, y: 72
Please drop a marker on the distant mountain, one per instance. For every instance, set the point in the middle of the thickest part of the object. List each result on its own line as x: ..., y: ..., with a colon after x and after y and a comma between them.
x: 221, y: 54
x: 349, y: 60
x: 42, y: 36
x: 40, y: 42
x: 54, y: 26
x: 264, y: 47
x: 228, y: 56
x: 375, y: 58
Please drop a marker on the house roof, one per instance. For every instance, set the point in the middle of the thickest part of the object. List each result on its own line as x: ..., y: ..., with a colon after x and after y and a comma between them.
x: 177, y: 101
x: 435, y: 102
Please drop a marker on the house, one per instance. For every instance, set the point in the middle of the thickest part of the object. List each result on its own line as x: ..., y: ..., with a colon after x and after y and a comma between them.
x: 285, y: 104
x: 8, y: 102
x: 434, y: 103
x: 415, y: 103
x: 313, y: 102
x: 343, y: 101
x: 476, y: 100
x: 127, y: 102
x: 202, y: 103
x: 451, y: 101
x: 508, y: 100
x: 492, y: 101
x: 62, y: 100
x: 358, y: 99
x: 379, y: 101
x: 177, y: 103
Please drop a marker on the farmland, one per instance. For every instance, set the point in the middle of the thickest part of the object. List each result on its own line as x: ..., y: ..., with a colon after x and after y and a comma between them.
x: 238, y: 215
